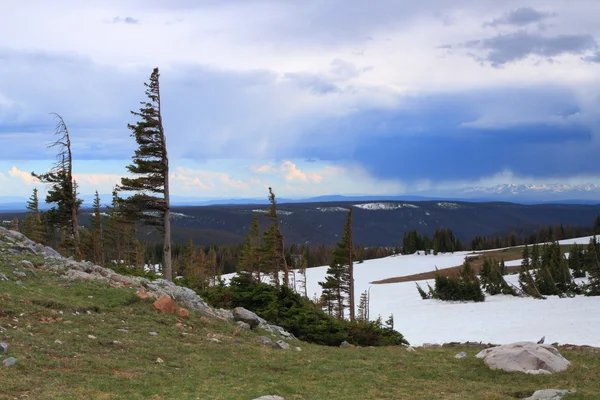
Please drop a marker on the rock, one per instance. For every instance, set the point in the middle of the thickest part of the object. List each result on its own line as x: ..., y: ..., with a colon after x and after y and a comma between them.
x: 57, y: 341
x: 411, y: 349
x: 525, y: 357
x: 461, y: 355
x: 344, y: 345
x: 153, y: 333
x: 264, y: 340
x: 269, y: 397
x: 18, y: 283
x: 159, y: 360
x: 3, y: 277
x: 3, y: 348
x: 298, y: 349
x: 241, y: 314
x: 549, y: 394
x: 431, y: 345
x: 164, y: 305
x: 212, y: 339
x: 50, y: 252
x: 142, y: 294
x: 9, y: 361
x: 225, y: 314
x: 91, y: 337
x: 281, y: 345
x: 183, y: 295
x: 20, y: 274
x: 243, y: 325
x: 25, y: 249
x: 182, y: 312
x: 27, y: 264
x: 76, y: 274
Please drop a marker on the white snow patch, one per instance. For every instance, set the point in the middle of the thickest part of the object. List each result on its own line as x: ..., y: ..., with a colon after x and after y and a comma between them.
x: 499, y: 319
x: 332, y: 209
x: 384, y: 206
x: 279, y: 212
x: 451, y: 206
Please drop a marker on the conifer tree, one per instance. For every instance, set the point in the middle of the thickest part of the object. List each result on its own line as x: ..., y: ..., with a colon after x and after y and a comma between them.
x: 340, y: 276
x: 97, y: 232
x: 63, y: 188
x: 272, y: 251
x: 32, y: 224
x: 211, y: 266
x: 526, y: 280
x: 576, y: 261
x: 14, y: 224
x: 249, y: 259
x: 149, y: 202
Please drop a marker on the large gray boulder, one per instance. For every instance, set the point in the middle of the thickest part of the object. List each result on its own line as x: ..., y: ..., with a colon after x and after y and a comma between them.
x: 549, y: 394
x: 527, y: 357
x: 241, y: 314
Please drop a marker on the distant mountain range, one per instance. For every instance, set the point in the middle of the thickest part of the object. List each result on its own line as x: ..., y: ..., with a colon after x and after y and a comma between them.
x: 548, y: 192
x: 521, y: 194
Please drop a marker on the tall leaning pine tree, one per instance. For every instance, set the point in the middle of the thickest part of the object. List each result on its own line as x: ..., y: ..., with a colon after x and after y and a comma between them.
x: 149, y: 202
x: 63, y: 188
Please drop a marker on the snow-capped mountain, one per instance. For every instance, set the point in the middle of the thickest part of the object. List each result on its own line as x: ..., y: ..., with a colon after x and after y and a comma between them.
x: 542, y: 192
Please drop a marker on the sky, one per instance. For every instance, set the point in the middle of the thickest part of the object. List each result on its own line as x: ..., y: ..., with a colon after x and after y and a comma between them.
x: 311, y: 97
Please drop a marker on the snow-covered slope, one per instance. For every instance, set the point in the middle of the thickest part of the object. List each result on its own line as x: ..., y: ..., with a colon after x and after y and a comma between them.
x: 500, y: 319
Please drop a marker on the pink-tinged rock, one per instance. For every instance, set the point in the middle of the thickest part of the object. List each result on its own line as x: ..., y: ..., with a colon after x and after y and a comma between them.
x: 165, y: 305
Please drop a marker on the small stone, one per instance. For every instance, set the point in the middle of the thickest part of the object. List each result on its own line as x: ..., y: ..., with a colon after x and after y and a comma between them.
x: 3, y: 277
x: 212, y: 339
x: 88, y: 312
x: 182, y: 312
x: 3, y: 348
x: 18, y: 283
x: 153, y: 333
x: 460, y: 355
x: 9, y: 361
x: 298, y: 349
x: 116, y: 342
x: 20, y: 274
x: 27, y: 264
x: 264, y: 340
x: 411, y: 349
x: 281, y: 345
x: 91, y: 337
x: 270, y: 397
x: 57, y: 341
x: 159, y: 360
x: 344, y: 345
x: 123, y: 330
x: 243, y: 325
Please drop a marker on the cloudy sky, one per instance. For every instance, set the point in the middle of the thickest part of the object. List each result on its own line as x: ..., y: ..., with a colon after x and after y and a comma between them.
x: 311, y: 97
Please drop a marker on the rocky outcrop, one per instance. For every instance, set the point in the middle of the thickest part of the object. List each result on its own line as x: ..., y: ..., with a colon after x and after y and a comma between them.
x: 527, y: 357
x: 146, y: 289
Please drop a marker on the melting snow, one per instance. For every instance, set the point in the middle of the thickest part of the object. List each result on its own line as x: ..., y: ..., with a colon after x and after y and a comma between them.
x: 500, y: 319
x: 384, y: 206
x: 279, y: 212
x: 452, y: 206
x: 332, y: 209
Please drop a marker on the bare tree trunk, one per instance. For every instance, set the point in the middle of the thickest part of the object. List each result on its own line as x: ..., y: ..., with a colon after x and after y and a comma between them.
x: 167, y: 268
x: 351, y: 269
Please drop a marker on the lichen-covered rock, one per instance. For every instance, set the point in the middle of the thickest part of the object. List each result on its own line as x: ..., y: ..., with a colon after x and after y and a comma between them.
x: 549, y: 394
x: 527, y: 357
x: 241, y: 314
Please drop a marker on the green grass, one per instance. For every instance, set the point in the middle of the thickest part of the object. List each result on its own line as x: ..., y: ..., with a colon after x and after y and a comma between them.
x: 237, y: 368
